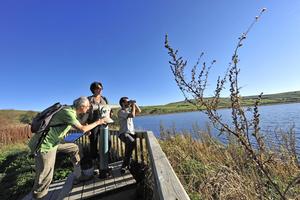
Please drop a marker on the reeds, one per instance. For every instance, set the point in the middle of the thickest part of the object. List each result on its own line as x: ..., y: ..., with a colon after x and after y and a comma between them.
x: 14, y: 134
x: 209, y: 169
x: 242, y: 130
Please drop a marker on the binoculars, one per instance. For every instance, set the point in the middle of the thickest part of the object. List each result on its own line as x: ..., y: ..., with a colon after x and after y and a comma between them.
x: 132, y: 101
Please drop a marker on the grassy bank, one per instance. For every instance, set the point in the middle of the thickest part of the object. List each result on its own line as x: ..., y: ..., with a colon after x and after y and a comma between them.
x: 280, y: 98
x: 209, y: 170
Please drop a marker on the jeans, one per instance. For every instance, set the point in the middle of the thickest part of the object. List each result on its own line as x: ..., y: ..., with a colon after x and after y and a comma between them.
x: 130, y: 142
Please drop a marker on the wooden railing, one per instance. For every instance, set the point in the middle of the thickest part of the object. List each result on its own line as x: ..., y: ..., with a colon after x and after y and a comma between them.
x: 118, y: 147
x: 160, y: 181
x: 167, y: 184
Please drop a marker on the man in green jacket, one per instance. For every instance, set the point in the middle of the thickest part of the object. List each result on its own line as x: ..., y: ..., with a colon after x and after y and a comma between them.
x: 53, y: 142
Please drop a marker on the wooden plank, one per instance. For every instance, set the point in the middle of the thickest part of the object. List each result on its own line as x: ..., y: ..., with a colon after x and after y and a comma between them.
x: 64, y: 192
x: 142, y: 150
x: 76, y: 192
x: 168, y: 186
x: 53, y: 192
x: 88, y: 188
x: 99, y: 186
x: 109, y: 184
x: 119, y: 179
x: 128, y: 194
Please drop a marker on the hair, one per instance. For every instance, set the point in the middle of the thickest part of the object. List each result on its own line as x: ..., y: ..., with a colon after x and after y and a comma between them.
x: 77, y: 103
x: 94, y: 85
x: 122, y: 100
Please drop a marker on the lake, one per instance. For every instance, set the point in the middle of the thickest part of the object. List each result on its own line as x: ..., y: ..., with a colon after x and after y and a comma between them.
x: 280, y: 116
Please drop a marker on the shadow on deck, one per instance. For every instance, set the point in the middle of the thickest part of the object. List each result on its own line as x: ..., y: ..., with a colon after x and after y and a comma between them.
x: 117, y: 186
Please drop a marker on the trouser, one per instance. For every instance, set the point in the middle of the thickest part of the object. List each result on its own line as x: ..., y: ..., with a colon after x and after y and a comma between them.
x: 44, y: 167
x: 94, y: 142
x: 130, y: 142
x: 101, y: 139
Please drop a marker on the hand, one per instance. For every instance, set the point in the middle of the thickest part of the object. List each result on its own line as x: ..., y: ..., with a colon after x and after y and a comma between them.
x: 88, y: 133
x: 102, y: 121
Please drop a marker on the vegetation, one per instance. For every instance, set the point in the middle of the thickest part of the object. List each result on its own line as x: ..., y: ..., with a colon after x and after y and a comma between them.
x: 15, y: 117
x: 242, y: 132
x: 245, y: 168
x: 14, y: 134
x: 211, y: 170
x: 17, y: 171
x: 185, y: 106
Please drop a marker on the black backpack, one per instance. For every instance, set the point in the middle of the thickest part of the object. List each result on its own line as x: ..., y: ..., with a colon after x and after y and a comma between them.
x: 41, y: 122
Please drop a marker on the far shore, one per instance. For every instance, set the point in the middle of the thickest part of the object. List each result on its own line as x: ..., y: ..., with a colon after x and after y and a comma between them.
x: 164, y: 109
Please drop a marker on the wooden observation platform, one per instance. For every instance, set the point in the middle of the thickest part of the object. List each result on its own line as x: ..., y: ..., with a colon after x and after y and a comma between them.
x: 154, y: 178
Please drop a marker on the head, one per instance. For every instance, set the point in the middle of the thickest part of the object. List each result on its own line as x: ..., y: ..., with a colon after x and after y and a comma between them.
x: 96, y: 88
x: 124, y: 102
x: 82, y: 105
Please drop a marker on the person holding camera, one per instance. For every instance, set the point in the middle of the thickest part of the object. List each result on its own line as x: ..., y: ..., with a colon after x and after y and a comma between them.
x: 129, y: 109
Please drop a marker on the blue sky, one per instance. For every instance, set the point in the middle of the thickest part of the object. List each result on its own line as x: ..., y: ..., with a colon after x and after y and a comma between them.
x: 51, y: 51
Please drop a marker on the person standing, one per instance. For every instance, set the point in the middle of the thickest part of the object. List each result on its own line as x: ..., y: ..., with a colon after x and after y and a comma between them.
x: 126, y: 133
x: 99, y: 134
x: 53, y: 143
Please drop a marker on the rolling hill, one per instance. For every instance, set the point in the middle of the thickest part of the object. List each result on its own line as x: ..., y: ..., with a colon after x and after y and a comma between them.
x: 18, y: 116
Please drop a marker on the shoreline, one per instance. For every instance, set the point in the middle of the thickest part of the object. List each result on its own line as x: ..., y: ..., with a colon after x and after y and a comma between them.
x: 196, y: 110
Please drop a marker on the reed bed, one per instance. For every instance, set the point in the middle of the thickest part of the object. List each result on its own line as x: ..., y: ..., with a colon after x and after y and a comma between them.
x: 209, y: 169
x: 13, y: 134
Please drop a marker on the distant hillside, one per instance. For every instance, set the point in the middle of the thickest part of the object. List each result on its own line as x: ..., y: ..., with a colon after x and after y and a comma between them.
x: 14, y: 117
x: 182, y: 106
x: 17, y: 116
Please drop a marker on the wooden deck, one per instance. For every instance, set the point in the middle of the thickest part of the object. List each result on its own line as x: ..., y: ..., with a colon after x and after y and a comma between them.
x: 158, y: 180
x: 109, y: 188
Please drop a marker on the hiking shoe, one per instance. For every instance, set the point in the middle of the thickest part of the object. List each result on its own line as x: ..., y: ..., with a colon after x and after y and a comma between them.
x: 123, y: 170
x: 96, y: 172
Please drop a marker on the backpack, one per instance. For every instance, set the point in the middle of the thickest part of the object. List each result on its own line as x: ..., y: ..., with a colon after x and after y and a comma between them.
x: 40, y: 124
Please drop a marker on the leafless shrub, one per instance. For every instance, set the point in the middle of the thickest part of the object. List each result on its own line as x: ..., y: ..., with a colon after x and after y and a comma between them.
x: 244, y: 130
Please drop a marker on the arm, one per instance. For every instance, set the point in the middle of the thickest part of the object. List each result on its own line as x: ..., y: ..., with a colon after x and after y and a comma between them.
x: 86, y: 128
x: 135, y: 110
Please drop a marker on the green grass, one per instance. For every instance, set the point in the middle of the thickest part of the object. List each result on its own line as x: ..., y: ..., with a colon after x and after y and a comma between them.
x: 17, y: 171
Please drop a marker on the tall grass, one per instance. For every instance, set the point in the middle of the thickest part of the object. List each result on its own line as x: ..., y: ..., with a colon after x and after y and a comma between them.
x: 242, y: 130
x: 209, y: 169
x: 12, y: 134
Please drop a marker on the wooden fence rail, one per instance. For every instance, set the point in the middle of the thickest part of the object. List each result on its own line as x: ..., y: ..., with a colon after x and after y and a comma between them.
x: 161, y: 176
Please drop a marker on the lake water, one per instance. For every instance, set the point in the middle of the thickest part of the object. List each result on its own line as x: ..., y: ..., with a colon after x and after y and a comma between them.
x: 280, y: 116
